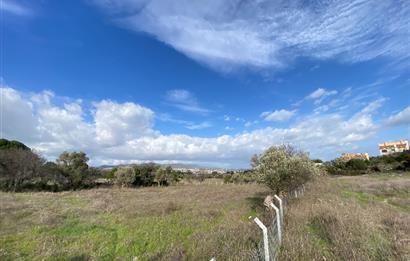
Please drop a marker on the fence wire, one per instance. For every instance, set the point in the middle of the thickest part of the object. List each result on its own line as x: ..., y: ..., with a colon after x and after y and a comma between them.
x: 272, y: 228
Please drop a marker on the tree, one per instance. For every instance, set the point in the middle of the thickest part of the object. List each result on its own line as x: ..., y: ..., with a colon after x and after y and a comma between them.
x: 161, y: 177
x: 283, y: 168
x: 19, y: 168
x: 74, y: 166
x: 145, y: 174
x: 125, y: 176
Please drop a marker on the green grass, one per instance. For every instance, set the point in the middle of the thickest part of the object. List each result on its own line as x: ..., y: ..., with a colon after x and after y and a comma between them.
x: 181, y: 222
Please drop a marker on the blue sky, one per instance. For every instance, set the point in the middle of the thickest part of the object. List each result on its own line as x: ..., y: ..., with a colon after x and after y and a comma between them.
x: 205, y: 82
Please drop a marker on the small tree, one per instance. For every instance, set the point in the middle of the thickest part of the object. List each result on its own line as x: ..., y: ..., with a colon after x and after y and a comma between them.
x: 283, y: 168
x: 18, y: 168
x: 125, y: 177
x: 74, y: 166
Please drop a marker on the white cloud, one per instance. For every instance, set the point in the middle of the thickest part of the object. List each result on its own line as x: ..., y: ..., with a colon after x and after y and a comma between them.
x: 124, y: 132
x: 226, y: 34
x: 199, y: 126
x: 401, y: 118
x: 320, y: 94
x: 116, y: 123
x: 278, y: 115
x: 14, y: 8
x: 185, y: 100
x: 227, y: 118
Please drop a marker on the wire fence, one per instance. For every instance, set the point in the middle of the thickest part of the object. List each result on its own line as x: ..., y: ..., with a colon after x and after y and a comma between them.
x: 272, y: 232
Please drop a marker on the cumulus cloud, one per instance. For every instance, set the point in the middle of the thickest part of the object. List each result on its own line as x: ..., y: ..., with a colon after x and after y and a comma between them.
x: 124, y: 132
x: 225, y: 34
x: 185, y: 100
x: 278, y: 115
x: 116, y: 123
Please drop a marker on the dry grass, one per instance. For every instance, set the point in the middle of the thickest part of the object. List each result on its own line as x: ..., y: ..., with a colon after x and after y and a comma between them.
x: 350, y: 218
x: 189, y: 222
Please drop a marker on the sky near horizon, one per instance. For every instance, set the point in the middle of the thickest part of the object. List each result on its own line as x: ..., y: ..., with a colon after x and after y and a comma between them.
x: 204, y: 82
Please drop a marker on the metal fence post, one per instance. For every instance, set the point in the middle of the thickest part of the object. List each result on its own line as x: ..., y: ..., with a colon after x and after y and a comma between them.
x: 280, y: 208
x: 279, y: 224
x: 265, y: 237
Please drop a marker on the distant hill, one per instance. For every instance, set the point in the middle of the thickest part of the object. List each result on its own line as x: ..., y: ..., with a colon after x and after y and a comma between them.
x: 173, y: 165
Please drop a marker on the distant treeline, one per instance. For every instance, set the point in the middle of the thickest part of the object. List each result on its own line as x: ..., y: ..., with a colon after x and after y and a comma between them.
x: 23, y: 169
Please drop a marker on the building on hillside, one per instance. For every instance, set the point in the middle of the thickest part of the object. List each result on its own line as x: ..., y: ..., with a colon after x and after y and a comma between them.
x: 349, y: 156
x: 390, y: 147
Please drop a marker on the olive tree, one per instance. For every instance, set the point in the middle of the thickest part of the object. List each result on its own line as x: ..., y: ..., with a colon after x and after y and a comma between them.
x: 283, y: 168
x: 124, y: 177
x: 74, y: 166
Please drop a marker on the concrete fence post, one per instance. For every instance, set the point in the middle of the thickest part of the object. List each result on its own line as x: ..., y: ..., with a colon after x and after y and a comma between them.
x: 279, y: 224
x: 280, y: 208
x: 265, y: 237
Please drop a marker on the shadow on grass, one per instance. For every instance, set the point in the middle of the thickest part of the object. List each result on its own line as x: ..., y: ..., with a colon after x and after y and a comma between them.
x: 256, y: 202
x: 81, y: 257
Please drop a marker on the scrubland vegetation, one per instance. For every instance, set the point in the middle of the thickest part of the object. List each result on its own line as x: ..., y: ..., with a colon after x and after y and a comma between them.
x: 354, y: 210
x: 350, y: 218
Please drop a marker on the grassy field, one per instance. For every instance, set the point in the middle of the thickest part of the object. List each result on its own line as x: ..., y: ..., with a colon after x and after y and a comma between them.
x: 338, y: 218
x: 350, y: 218
x: 193, y: 222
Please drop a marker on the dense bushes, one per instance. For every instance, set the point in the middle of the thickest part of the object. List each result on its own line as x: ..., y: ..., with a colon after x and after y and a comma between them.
x: 240, y: 177
x: 148, y: 174
x: 283, y: 168
x: 351, y: 167
x: 394, y: 162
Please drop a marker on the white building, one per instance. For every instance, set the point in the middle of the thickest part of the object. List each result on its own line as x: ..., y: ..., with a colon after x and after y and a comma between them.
x: 390, y: 147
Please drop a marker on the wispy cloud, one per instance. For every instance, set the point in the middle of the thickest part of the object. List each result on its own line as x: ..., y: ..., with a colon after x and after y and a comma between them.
x: 278, y: 115
x: 320, y: 94
x: 186, y: 101
x: 200, y: 126
x: 224, y: 34
x: 14, y: 8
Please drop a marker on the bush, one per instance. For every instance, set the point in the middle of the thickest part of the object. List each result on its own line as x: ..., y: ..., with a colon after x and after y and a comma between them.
x: 125, y: 177
x: 357, y: 164
x: 283, y: 168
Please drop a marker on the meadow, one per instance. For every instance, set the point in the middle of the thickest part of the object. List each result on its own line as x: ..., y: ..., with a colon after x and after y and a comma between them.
x: 194, y: 222
x: 338, y: 218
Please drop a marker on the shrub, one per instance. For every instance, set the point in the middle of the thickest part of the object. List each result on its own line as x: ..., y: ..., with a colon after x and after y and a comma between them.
x: 283, y: 168
x: 125, y: 177
x: 357, y: 164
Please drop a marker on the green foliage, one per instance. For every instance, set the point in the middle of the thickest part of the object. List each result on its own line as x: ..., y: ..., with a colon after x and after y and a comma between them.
x: 283, y: 168
x: 240, y: 177
x: 357, y: 164
x: 349, y: 168
x: 145, y: 174
x: 74, y: 166
x: 12, y: 144
x: 125, y: 176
